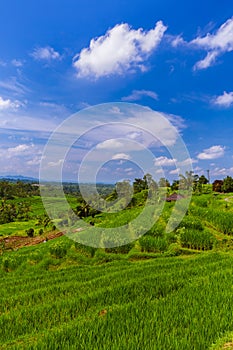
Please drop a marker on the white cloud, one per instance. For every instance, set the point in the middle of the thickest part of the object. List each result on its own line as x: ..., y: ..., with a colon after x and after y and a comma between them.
x: 221, y: 172
x: 21, y: 150
x: 208, y: 61
x: 17, y: 63
x: 138, y: 94
x: 159, y: 171
x: 4, y: 104
x: 121, y: 156
x: 54, y: 164
x: 110, y: 144
x: 164, y: 161
x: 197, y: 168
x: 129, y: 169
x: 216, y: 44
x: 188, y: 161
x: 7, y: 104
x: 225, y: 100
x: 120, y: 50
x: 18, y: 150
x: 14, y: 86
x: 175, y: 171
x: 177, y: 41
x: 34, y: 161
x: 45, y: 54
x: 212, y: 152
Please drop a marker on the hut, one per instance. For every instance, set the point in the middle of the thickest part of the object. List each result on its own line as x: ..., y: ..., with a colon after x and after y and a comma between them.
x: 174, y: 197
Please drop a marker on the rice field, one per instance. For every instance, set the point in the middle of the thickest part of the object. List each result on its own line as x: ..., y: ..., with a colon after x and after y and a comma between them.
x: 165, y: 292
x: 166, y: 303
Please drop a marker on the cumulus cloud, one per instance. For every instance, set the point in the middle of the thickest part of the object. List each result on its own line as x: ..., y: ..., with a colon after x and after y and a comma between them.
x: 120, y: 50
x: 188, y: 161
x: 175, y: 171
x: 110, y: 144
x: 178, y: 40
x: 216, y: 44
x: 46, y: 53
x: 164, y: 161
x: 19, y: 150
x: 121, y: 156
x: 212, y: 152
x: 4, y: 104
x: 221, y: 171
x: 138, y: 94
x: 224, y: 100
x: 7, y: 104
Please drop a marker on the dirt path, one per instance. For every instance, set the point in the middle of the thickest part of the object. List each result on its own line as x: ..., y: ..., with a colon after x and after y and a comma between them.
x: 15, y: 242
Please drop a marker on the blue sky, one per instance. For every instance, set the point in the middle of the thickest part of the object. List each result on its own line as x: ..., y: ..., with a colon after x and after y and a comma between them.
x: 175, y: 57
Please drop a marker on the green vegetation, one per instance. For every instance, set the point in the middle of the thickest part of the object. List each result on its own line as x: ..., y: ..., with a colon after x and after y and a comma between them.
x: 166, y: 303
x: 165, y: 290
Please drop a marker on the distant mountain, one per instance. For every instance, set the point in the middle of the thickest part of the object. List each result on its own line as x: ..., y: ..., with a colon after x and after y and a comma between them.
x: 19, y: 178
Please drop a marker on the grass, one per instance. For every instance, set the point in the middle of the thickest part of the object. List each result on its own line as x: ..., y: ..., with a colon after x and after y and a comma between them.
x: 16, y: 228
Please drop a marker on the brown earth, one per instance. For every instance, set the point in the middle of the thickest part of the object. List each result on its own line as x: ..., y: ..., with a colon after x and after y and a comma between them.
x: 15, y: 242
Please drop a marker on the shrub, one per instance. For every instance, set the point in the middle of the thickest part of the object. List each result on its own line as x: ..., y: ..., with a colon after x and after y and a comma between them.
x: 58, y: 250
x: 41, y: 231
x: 10, y: 263
x: 85, y: 249
x: 174, y: 250
x: 30, y: 232
x: 123, y: 249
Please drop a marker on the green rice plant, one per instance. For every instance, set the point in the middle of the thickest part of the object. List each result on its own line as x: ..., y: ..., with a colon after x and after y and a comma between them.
x: 85, y: 249
x: 123, y: 249
x: 162, y: 303
x: 58, y: 250
x: 221, y: 220
x: 195, y: 239
x: 153, y: 244
x: 191, y: 222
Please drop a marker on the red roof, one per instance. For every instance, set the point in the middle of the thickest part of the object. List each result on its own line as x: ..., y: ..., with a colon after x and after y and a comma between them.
x: 174, y: 197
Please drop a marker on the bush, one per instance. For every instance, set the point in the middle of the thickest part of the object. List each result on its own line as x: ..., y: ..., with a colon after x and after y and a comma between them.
x: 30, y: 232
x: 174, y: 250
x: 41, y: 231
x: 58, y: 250
x: 153, y: 244
x: 10, y: 263
x: 85, y: 249
x: 123, y: 249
